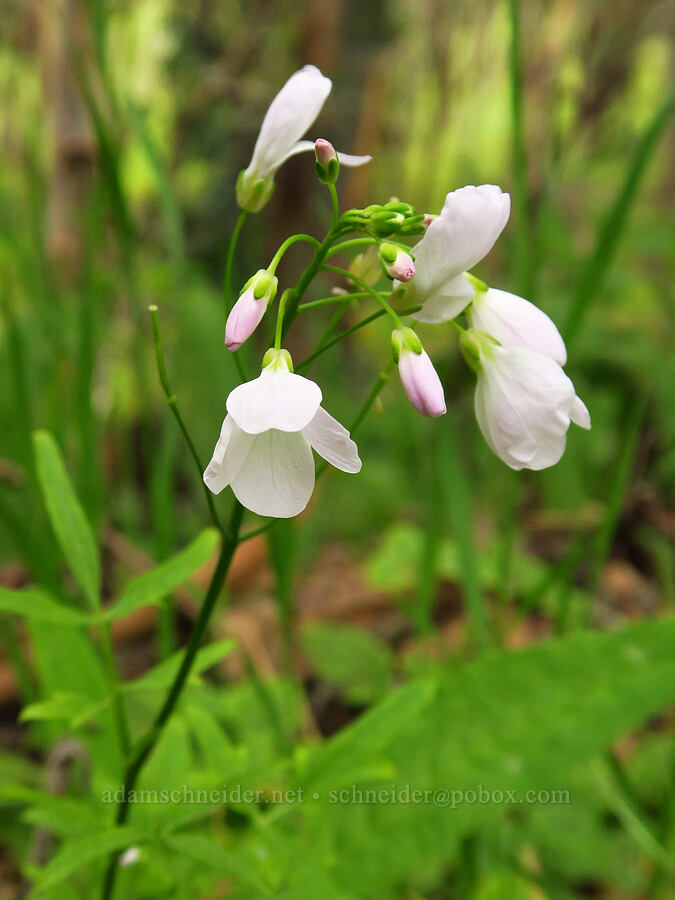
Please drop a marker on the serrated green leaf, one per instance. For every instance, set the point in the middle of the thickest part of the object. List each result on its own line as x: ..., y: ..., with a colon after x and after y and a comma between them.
x: 150, y: 587
x: 67, y: 517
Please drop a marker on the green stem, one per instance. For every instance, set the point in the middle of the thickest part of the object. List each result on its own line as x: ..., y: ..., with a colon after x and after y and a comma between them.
x: 173, y: 406
x: 306, y: 279
x: 293, y: 239
x: 229, y: 258
x: 337, y: 298
x: 280, y: 319
x: 145, y: 747
x: 336, y: 205
x: 353, y: 242
x: 343, y: 334
x: 369, y: 290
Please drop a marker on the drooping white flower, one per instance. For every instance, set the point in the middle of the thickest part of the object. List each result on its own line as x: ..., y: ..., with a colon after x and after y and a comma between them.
x: 264, y: 451
x: 418, y: 376
x: 470, y: 222
x: 515, y: 322
x: 524, y: 402
x: 290, y: 114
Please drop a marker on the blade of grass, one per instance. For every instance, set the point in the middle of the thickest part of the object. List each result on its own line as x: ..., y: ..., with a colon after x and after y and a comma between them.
x: 523, y: 243
x: 613, y: 224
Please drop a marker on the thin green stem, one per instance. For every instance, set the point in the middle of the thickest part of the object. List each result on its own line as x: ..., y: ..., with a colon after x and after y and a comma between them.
x: 147, y: 744
x: 280, y: 319
x: 336, y: 205
x: 343, y: 334
x: 293, y: 239
x: 369, y: 290
x: 306, y: 279
x: 458, y: 328
x: 353, y: 242
x: 337, y: 298
x: 229, y: 259
x: 173, y: 406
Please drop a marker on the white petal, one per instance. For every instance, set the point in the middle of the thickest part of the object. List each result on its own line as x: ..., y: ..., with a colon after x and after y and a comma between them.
x: 350, y: 160
x: 515, y: 322
x: 215, y: 476
x: 276, y: 476
x: 444, y: 302
x: 579, y: 414
x: 331, y: 440
x: 471, y: 221
x: 275, y: 399
x: 291, y: 113
x: 523, y: 405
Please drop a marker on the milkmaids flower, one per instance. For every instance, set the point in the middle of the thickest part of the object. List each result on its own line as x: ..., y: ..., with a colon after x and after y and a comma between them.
x: 470, y: 222
x: 289, y: 116
x: 515, y: 322
x: 524, y: 402
x: 264, y: 451
x: 247, y: 312
x: 419, y: 378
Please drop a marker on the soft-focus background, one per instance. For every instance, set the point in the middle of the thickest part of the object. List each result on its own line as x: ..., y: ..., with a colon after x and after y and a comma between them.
x: 123, y: 127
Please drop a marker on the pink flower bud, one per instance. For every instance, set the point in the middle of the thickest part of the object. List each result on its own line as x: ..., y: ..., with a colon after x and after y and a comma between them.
x: 397, y: 264
x: 324, y: 151
x: 427, y: 220
x: 421, y: 382
x: 247, y: 312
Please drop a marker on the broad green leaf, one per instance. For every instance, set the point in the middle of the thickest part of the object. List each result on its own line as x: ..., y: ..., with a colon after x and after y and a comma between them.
x: 508, y: 721
x: 67, y: 517
x: 350, y: 658
x: 150, y: 587
x: 34, y: 603
x: 82, y: 852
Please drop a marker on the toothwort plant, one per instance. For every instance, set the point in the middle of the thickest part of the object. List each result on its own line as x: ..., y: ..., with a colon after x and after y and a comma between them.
x: 524, y: 401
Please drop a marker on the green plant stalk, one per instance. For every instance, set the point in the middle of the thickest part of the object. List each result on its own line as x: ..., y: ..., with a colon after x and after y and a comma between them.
x: 306, y: 279
x: 369, y: 290
x: 147, y: 744
x: 293, y: 239
x: 337, y: 298
x: 173, y: 406
x: 353, y: 242
x: 612, y: 226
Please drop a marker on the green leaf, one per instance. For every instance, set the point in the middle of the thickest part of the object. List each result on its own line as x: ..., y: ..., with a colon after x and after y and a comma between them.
x: 151, y: 587
x: 75, y: 709
x: 350, y: 658
x: 210, y: 852
x: 162, y: 676
x: 67, y: 517
x: 82, y: 852
x: 34, y: 603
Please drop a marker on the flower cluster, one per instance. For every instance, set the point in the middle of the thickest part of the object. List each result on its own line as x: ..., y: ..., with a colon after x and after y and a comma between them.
x: 524, y: 401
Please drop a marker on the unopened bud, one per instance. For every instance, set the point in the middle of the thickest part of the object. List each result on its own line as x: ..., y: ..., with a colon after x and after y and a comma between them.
x: 396, y: 263
x: 247, y: 312
x: 327, y: 163
x: 428, y: 219
x: 419, y: 378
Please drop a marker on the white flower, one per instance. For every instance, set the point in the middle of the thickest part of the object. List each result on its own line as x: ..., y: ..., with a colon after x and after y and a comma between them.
x: 515, y: 322
x: 290, y: 114
x: 470, y: 222
x: 264, y: 451
x: 524, y: 402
